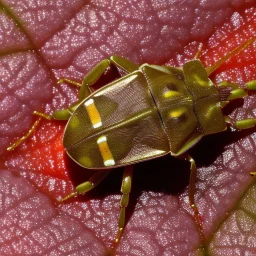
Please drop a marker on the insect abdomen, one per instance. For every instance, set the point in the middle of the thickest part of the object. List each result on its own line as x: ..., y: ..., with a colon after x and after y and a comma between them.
x: 117, y: 125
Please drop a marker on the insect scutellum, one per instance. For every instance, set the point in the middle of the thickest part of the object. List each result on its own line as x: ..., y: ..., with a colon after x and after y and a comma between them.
x: 120, y: 124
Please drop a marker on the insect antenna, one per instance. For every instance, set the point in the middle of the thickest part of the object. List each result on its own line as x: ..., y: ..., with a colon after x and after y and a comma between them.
x: 229, y: 55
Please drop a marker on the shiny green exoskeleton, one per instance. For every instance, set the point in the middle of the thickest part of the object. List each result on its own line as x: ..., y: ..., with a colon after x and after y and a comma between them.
x: 149, y: 112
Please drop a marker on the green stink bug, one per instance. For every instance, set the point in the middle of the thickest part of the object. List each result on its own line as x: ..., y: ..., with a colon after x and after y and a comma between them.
x: 149, y: 112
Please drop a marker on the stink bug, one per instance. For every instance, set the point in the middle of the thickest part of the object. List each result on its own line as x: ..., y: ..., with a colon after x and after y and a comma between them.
x: 149, y: 112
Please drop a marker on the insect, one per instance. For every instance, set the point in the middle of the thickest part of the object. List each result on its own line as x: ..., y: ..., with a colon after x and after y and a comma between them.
x: 149, y: 112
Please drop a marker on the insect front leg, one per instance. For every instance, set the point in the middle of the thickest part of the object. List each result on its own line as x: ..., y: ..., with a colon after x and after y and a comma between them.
x: 242, y: 125
x: 237, y: 93
x: 233, y: 92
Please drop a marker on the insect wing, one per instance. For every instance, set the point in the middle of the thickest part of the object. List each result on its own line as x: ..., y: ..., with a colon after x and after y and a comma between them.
x: 117, y: 125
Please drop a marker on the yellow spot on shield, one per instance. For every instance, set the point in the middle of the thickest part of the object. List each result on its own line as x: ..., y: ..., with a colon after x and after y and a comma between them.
x: 93, y: 113
x: 105, y: 151
x: 177, y: 113
x: 170, y: 94
x: 200, y: 81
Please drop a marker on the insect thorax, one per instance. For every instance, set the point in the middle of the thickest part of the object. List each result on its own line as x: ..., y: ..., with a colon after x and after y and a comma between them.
x: 187, y: 101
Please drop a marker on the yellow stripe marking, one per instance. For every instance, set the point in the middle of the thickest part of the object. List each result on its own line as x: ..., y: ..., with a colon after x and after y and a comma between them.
x: 177, y: 113
x: 200, y: 81
x: 105, y: 151
x: 170, y: 94
x: 93, y: 113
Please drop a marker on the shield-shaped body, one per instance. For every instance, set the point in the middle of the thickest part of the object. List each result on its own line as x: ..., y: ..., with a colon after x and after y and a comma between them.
x: 143, y: 115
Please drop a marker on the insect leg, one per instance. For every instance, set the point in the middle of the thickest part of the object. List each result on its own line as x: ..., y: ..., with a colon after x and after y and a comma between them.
x: 88, y: 185
x: 69, y: 81
x: 91, y: 78
x: 93, y: 75
x: 231, y: 91
x: 65, y: 114
x: 241, y: 124
x: 85, y: 88
x: 236, y: 93
x: 31, y: 130
x: 191, y: 187
x: 192, y: 182
x: 199, y: 51
x: 24, y: 137
x: 125, y: 189
x: 124, y: 64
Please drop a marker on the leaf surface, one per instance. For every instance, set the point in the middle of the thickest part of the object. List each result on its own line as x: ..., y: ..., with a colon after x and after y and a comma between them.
x: 43, y: 41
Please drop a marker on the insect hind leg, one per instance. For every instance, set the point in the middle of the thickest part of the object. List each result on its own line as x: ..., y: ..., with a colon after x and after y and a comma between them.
x: 88, y: 185
x: 65, y: 114
x: 57, y: 115
x: 31, y: 130
x: 125, y: 189
x: 124, y: 64
x: 97, y: 71
x: 69, y: 81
